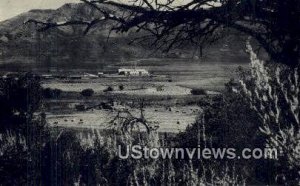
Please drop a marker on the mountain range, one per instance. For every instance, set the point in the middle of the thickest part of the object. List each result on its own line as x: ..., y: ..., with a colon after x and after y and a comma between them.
x: 21, y: 43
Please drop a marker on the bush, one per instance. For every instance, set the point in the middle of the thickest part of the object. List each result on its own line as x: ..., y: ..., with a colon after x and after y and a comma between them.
x: 198, y: 91
x: 108, y: 89
x: 160, y: 88
x: 227, y: 122
x: 121, y: 87
x: 80, y: 107
x: 87, y: 92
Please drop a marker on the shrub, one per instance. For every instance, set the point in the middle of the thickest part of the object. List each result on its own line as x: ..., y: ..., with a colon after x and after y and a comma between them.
x: 87, y: 92
x: 121, y: 87
x: 224, y: 123
x: 198, y: 91
x: 271, y: 92
x: 160, y: 88
x: 108, y: 89
x: 80, y: 107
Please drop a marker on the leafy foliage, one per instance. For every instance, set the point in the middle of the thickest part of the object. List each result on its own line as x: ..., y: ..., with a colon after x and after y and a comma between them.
x: 20, y: 97
x: 23, y: 134
x: 273, y: 92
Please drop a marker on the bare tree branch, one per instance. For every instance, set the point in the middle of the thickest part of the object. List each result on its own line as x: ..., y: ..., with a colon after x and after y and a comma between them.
x: 273, y: 24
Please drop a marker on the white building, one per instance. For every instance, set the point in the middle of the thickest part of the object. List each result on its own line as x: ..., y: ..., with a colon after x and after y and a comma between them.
x: 133, y: 72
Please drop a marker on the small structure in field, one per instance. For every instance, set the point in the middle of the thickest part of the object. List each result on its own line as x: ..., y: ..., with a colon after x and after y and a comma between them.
x: 133, y: 72
x: 47, y: 76
x: 75, y: 77
x: 100, y: 74
x: 90, y: 76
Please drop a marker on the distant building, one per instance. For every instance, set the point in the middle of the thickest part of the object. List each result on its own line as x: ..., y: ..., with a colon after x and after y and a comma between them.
x: 75, y: 77
x: 100, y: 74
x: 83, y: 76
x: 90, y: 76
x: 133, y: 72
x: 47, y: 76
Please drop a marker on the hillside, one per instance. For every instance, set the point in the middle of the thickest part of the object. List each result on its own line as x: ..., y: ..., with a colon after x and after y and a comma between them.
x: 21, y: 43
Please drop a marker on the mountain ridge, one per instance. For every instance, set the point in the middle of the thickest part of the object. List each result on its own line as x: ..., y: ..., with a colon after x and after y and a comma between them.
x: 69, y: 45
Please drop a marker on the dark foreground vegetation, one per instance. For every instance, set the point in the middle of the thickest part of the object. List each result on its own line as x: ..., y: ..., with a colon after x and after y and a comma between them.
x: 33, y: 154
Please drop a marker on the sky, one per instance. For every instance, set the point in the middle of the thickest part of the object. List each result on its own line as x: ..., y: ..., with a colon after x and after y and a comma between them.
x: 11, y: 8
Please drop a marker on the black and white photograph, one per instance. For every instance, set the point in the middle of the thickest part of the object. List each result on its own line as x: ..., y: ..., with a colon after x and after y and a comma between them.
x: 149, y: 92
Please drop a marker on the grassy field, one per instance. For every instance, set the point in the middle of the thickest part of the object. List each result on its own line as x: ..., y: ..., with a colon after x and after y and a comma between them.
x: 173, y: 119
x: 167, y: 97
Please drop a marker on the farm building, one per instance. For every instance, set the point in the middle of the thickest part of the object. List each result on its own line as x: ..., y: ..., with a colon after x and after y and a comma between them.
x: 133, y: 72
x: 90, y: 76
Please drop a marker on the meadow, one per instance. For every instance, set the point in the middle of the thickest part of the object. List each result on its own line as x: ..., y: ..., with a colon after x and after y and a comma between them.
x: 166, y: 95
